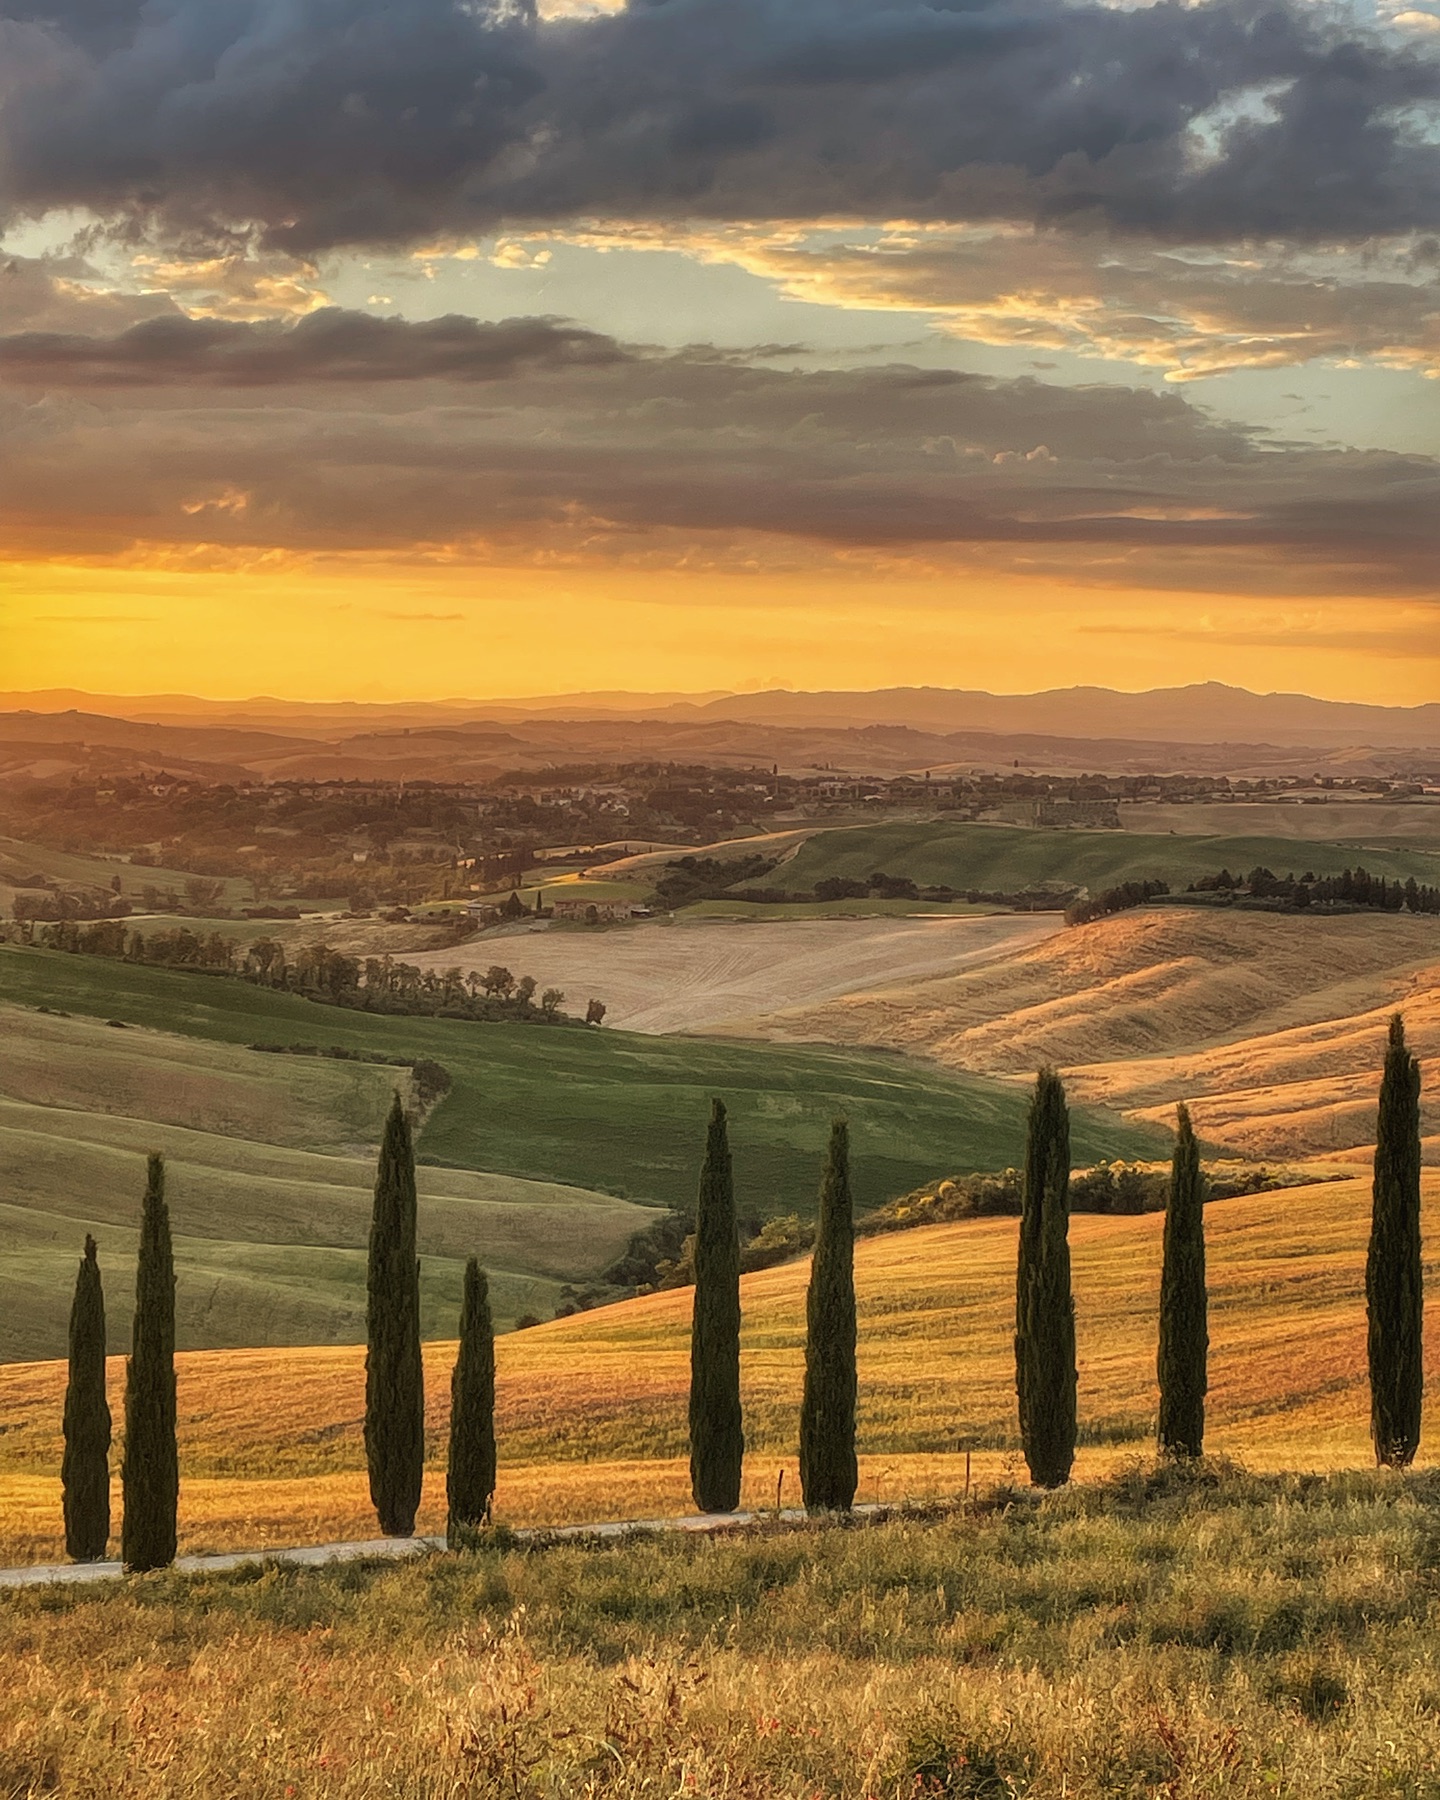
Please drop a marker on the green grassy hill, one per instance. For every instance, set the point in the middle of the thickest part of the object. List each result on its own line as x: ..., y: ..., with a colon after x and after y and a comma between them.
x: 611, y: 1110
x: 269, y: 1242
x: 72, y: 869
x: 1004, y: 857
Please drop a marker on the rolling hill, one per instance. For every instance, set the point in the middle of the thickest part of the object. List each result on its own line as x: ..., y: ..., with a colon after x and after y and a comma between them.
x: 601, y: 1109
x: 270, y: 1166
x: 592, y: 1409
x: 1271, y: 1026
x: 543, y: 1157
x: 1007, y: 858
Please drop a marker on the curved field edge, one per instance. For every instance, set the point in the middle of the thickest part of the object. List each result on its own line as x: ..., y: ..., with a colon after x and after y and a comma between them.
x: 614, y: 1112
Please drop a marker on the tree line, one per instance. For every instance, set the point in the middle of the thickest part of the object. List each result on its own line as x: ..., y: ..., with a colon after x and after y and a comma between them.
x: 1350, y: 891
x: 1044, y: 1336
x: 376, y: 984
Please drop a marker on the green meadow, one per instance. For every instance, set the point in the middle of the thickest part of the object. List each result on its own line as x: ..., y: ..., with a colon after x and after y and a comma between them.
x: 543, y: 1156
x: 1004, y: 858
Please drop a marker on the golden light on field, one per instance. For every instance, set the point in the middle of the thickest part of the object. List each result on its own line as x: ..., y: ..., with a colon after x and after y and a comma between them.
x: 338, y: 628
x: 591, y: 1411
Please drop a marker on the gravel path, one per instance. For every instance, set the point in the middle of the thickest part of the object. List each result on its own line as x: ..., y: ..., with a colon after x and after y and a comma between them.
x: 314, y: 1556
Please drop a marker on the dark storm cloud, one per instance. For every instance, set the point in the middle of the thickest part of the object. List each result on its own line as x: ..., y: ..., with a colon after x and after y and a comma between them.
x: 674, y: 457
x: 327, y: 346
x: 366, y: 121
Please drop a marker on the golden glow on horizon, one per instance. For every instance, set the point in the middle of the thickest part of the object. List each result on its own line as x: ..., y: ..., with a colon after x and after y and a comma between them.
x: 388, y: 633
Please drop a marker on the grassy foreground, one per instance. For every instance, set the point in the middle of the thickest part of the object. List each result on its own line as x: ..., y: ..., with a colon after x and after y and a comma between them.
x: 592, y: 1409
x: 1222, y: 1634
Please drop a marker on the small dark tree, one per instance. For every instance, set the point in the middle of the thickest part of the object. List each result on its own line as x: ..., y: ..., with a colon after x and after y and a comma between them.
x: 85, y: 1466
x: 1394, y: 1291
x: 1184, y: 1336
x: 470, y: 1475
x: 1045, y: 1375
x: 394, y: 1376
x: 828, y: 1472
x: 717, y: 1438
x: 150, y: 1464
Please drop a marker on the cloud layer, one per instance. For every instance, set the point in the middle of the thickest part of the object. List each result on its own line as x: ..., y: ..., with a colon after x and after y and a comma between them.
x: 335, y: 122
x: 337, y: 435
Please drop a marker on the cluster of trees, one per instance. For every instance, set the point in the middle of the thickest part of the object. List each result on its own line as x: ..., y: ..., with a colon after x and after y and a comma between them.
x: 692, y: 878
x: 378, y: 984
x: 1352, y: 889
x: 30, y: 908
x: 1113, y: 900
x: 880, y: 886
x: 1044, y: 1336
x: 1105, y: 1187
x: 1045, y: 1376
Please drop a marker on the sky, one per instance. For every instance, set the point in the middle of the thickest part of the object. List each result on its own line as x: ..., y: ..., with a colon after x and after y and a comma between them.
x: 414, y: 348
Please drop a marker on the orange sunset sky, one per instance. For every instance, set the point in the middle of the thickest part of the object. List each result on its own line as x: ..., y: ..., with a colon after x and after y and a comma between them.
x: 437, y: 349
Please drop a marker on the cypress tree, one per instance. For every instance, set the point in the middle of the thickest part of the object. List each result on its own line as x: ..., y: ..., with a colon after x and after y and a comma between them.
x: 717, y: 1439
x: 85, y: 1467
x: 150, y: 1466
x: 470, y: 1475
x: 394, y: 1376
x: 1184, y: 1337
x: 828, y: 1472
x: 1044, y: 1308
x: 1394, y: 1294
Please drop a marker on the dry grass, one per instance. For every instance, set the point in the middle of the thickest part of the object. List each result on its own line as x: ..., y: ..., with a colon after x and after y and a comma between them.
x: 592, y: 1409
x: 689, y: 975
x: 1157, y: 1637
x: 1273, y: 1027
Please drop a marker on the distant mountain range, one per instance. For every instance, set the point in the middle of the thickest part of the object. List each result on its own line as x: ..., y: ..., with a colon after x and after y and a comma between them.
x: 1204, y: 713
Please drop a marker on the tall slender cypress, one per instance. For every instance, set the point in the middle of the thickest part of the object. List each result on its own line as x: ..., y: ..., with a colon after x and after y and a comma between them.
x: 1394, y: 1281
x: 394, y: 1375
x: 1045, y: 1375
x: 717, y: 1438
x: 85, y: 1466
x: 1184, y: 1335
x: 150, y: 1465
x: 470, y: 1475
x: 828, y: 1471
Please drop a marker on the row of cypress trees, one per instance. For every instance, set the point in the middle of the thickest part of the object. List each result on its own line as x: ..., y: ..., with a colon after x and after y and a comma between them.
x: 828, y: 1469
x: 394, y: 1370
x: 394, y: 1383
x: 1044, y: 1343
x: 149, y: 1468
x: 1045, y: 1374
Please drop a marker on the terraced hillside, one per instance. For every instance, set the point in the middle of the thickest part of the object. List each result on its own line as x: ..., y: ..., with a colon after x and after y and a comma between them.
x: 592, y: 1408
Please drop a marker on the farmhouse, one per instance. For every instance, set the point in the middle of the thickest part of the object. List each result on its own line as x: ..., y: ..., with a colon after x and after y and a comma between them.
x: 594, y: 912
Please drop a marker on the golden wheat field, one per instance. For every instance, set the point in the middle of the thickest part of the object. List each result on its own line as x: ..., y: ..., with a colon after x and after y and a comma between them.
x: 1273, y: 1037
x: 592, y: 1409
